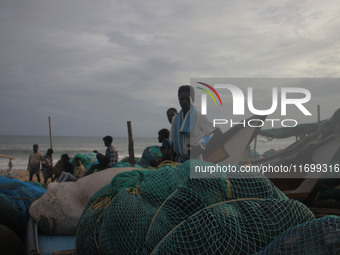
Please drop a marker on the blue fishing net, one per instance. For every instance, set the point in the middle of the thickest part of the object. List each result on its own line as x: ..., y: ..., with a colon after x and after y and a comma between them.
x: 15, y: 199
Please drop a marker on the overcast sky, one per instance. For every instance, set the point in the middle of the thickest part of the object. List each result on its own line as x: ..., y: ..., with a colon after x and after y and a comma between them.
x: 93, y: 65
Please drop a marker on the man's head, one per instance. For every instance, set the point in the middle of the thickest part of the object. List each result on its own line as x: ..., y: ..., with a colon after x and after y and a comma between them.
x: 35, y: 148
x: 78, y: 161
x: 162, y: 134
x: 108, y: 140
x: 186, y: 97
x: 49, y: 152
x: 170, y: 113
x: 65, y: 157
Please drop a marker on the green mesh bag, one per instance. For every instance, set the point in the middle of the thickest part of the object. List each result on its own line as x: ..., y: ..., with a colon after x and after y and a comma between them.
x: 316, y: 237
x: 165, y: 211
x: 234, y: 227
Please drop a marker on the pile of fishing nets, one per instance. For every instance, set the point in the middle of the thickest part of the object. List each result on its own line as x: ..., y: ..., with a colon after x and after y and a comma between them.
x: 87, y: 160
x: 164, y: 211
x: 150, y: 154
x: 10, y: 243
x: 15, y: 199
x: 319, y: 236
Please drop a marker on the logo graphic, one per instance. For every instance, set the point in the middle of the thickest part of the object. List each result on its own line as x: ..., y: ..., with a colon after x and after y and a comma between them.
x: 204, y: 97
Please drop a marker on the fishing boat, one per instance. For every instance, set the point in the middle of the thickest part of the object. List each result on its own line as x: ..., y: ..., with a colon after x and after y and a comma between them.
x: 229, y: 147
x: 316, y: 146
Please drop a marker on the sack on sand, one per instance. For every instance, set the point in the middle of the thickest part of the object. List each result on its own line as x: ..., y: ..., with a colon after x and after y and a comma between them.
x: 58, y: 211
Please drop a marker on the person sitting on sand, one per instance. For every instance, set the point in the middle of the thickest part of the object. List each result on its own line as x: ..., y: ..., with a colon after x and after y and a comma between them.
x: 171, y: 113
x: 188, y: 126
x: 46, y: 165
x: 76, y: 173
x: 57, y: 169
x: 108, y: 160
x: 34, y: 161
x: 63, y: 165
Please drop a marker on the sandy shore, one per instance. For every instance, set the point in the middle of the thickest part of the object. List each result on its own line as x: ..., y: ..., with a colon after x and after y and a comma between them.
x: 23, y: 175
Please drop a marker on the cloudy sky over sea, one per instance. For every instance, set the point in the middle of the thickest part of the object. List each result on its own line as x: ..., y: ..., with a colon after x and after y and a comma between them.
x: 93, y: 65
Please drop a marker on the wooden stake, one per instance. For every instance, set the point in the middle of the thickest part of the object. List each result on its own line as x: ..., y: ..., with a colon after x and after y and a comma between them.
x: 319, y: 118
x: 51, y: 143
x: 131, y: 147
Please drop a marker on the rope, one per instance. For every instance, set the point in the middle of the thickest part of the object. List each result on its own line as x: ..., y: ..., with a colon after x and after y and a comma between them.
x: 228, y: 188
x: 165, y: 163
x: 208, y: 207
x: 154, y: 217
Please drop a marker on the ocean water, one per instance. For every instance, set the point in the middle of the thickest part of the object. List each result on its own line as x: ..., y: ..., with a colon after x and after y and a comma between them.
x: 21, y: 146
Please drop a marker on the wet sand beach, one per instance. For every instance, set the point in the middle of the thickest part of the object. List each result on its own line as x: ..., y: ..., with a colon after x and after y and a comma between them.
x: 23, y: 175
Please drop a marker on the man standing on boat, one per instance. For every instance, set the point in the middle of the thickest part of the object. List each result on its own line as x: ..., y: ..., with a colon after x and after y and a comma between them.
x: 34, y: 163
x: 188, y: 126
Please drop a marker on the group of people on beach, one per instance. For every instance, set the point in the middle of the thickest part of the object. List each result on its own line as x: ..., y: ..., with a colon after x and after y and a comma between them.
x: 64, y: 170
x: 187, y: 131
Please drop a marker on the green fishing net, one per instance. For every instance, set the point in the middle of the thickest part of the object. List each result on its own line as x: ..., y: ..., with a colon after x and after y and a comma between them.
x: 164, y: 211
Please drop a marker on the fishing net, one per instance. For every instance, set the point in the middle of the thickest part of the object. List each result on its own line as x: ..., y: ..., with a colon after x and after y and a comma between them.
x: 164, y: 211
x: 316, y: 237
x: 58, y: 211
x: 15, y: 199
x: 10, y: 243
x: 86, y: 159
x: 150, y: 154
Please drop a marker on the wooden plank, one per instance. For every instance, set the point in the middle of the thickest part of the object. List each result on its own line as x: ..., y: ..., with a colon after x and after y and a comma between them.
x: 4, y: 156
x: 66, y: 252
x: 321, y: 212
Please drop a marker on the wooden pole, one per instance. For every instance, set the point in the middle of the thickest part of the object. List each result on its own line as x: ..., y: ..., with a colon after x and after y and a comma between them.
x: 131, y: 147
x: 319, y: 119
x: 51, y: 143
x: 4, y: 156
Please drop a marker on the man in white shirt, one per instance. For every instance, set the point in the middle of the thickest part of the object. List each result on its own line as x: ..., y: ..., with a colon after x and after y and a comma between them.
x: 188, y: 126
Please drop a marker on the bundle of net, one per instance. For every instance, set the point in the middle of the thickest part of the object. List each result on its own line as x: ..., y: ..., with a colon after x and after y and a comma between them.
x: 58, y: 211
x: 316, y: 237
x: 10, y: 243
x: 15, y: 199
x: 164, y: 211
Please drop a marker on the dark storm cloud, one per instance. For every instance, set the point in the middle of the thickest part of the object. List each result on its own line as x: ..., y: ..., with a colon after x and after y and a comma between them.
x: 94, y: 65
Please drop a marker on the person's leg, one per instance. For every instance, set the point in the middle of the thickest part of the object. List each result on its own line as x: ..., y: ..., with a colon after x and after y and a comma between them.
x: 71, y: 178
x: 38, y: 176
x: 61, y: 177
x: 30, y: 175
